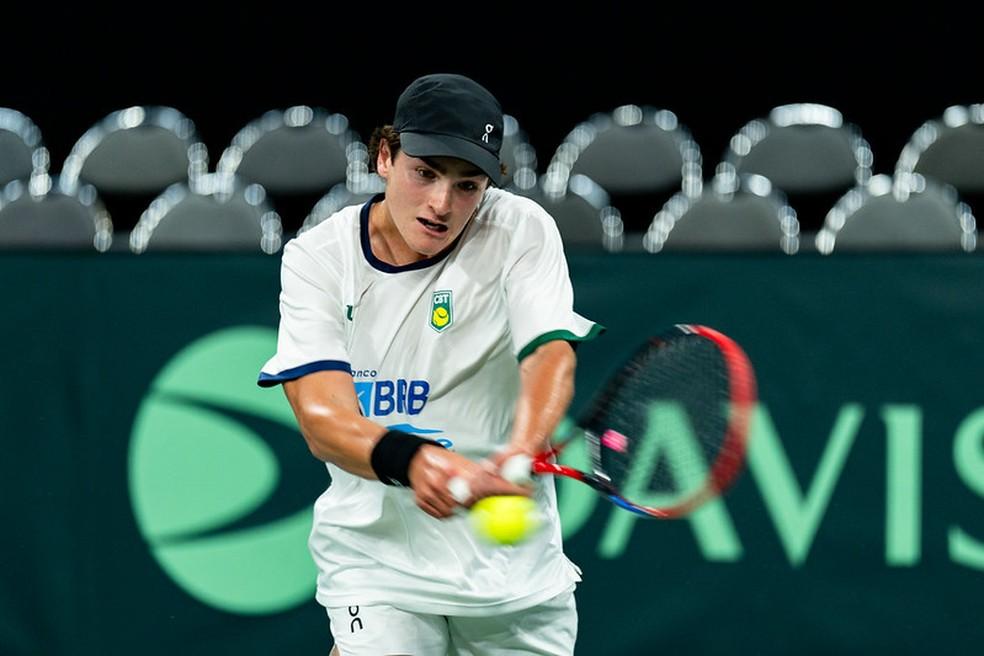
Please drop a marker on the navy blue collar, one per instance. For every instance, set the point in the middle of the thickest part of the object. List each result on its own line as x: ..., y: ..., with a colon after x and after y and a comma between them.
x: 386, y: 266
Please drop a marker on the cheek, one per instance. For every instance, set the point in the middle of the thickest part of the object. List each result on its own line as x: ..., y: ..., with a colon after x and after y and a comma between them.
x: 467, y: 203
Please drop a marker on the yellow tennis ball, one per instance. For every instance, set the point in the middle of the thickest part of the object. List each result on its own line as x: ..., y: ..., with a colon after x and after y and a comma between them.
x: 505, y: 519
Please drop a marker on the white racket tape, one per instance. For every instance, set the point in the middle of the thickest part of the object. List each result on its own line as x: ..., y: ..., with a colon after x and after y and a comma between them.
x: 517, y: 469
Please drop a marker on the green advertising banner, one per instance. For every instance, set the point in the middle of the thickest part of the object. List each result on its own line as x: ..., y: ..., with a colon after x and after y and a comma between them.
x: 156, y: 501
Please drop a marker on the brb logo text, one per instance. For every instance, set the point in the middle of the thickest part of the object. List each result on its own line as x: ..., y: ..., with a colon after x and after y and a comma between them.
x: 379, y: 398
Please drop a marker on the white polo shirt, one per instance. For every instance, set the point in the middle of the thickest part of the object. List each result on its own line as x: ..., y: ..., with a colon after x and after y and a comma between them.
x: 434, y: 349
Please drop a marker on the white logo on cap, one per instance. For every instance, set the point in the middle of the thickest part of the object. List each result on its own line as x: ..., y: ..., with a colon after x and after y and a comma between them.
x: 488, y: 130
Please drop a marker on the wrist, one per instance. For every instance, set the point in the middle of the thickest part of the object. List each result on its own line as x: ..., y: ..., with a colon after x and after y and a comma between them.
x: 392, y: 454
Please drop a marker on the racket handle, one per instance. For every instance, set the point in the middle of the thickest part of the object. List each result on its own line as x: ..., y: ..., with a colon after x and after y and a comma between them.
x: 518, y: 469
x: 459, y: 489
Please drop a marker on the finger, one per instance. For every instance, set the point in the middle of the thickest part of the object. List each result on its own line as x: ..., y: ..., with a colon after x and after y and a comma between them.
x: 496, y: 486
x: 432, y: 509
x: 438, y: 500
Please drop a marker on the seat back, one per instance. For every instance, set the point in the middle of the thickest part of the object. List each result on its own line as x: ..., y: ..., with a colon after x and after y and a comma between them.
x: 733, y: 213
x: 641, y: 156
x: 22, y: 151
x: 215, y: 213
x: 134, y: 154
x: 297, y: 154
x: 581, y: 208
x: 807, y: 151
x: 42, y: 215
x: 950, y: 150
x: 909, y: 214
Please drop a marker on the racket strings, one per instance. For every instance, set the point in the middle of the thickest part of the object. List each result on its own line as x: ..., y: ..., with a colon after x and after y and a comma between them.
x: 662, y: 424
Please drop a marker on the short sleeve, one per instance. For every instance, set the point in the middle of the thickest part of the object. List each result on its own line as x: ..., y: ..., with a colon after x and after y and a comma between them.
x: 311, y: 336
x: 538, y: 288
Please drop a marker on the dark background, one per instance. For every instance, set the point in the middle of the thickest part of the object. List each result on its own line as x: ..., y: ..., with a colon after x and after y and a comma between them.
x: 887, y: 69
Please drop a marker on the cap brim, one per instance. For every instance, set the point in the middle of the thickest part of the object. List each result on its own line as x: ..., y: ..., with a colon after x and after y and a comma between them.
x: 416, y: 144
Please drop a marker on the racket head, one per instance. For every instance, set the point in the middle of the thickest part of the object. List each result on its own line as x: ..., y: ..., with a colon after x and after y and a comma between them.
x: 669, y: 430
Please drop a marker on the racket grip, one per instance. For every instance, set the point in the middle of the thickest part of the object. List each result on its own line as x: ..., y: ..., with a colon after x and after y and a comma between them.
x: 517, y: 469
x: 459, y: 489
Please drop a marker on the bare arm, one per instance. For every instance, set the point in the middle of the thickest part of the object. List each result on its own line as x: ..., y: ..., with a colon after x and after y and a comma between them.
x: 546, y: 390
x: 327, y: 410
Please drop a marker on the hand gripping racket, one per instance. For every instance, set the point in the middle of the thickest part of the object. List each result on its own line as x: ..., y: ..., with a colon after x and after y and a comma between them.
x: 667, y: 432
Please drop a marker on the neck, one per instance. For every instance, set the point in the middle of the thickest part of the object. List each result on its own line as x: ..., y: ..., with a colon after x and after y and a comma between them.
x: 385, y: 240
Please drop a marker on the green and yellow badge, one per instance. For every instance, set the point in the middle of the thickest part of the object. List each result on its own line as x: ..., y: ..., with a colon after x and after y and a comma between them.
x: 441, y: 313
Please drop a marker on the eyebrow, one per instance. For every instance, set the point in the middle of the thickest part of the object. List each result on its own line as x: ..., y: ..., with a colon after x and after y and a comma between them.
x: 437, y: 166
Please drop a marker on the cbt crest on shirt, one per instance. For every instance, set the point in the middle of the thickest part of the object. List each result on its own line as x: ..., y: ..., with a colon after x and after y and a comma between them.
x: 442, y: 314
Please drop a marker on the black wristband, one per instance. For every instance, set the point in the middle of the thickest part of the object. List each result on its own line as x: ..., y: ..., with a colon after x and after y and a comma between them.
x: 391, y: 456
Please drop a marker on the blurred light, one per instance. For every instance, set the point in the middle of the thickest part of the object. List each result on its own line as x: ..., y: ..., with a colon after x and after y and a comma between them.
x: 555, y: 183
x: 977, y: 113
x: 130, y: 118
x: 12, y: 191
x: 13, y: 121
x: 582, y: 135
x: 254, y: 194
x: 741, y: 144
x: 758, y: 185
x: 87, y: 195
x: 40, y: 185
x: 510, y: 126
x: 524, y: 179
x: 525, y: 155
x: 806, y: 114
x: 298, y: 116
x: 666, y: 120
x: 879, y: 185
x: 337, y: 124
x: 40, y: 159
x: 955, y: 116
x: 825, y: 241
x: 627, y: 115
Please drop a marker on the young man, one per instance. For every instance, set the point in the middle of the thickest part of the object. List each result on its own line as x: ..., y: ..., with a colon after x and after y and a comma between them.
x: 427, y: 335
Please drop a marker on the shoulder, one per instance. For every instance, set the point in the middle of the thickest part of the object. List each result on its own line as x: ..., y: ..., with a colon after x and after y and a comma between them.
x: 326, y: 242
x: 518, y: 216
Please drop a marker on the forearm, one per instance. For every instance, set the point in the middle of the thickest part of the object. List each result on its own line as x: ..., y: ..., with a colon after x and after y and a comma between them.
x: 546, y: 390
x: 341, y: 437
x: 327, y: 410
x: 328, y: 415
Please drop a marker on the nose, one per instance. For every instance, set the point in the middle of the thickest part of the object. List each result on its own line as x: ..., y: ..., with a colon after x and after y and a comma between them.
x: 440, y: 199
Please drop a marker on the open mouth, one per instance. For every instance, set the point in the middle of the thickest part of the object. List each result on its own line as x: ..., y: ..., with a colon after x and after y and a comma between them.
x: 433, y: 226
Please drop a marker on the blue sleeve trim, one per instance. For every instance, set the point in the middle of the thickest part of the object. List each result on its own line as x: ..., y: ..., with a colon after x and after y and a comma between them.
x: 269, y: 380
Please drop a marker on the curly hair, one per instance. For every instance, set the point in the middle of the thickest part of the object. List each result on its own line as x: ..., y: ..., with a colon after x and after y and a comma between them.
x: 392, y: 137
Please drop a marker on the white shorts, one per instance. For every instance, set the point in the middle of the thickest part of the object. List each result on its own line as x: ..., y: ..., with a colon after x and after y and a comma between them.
x: 549, y: 629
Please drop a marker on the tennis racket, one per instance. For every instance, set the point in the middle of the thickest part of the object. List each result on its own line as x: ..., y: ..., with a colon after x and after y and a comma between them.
x: 667, y: 432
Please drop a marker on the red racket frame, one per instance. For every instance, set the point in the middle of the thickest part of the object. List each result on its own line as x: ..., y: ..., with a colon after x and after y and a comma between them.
x: 731, y: 457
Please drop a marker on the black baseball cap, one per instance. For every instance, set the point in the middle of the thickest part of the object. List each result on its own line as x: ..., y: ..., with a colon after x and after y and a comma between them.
x: 448, y: 115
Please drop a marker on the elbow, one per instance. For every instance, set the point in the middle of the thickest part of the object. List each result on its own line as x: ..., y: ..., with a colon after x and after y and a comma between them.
x: 318, y: 423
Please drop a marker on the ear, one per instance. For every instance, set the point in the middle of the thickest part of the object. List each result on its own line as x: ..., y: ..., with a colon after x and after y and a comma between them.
x: 384, y: 159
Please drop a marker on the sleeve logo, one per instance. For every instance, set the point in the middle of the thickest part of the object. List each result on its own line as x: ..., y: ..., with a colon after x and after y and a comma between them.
x: 441, y: 314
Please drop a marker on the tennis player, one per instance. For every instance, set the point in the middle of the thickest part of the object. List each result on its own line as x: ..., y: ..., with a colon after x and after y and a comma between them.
x: 426, y: 335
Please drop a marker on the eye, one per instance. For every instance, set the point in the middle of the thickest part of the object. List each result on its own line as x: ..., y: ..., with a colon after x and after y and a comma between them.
x: 423, y: 172
x: 468, y: 185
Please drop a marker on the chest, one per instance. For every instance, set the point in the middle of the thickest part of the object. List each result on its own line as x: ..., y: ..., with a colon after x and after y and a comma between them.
x: 423, y: 320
